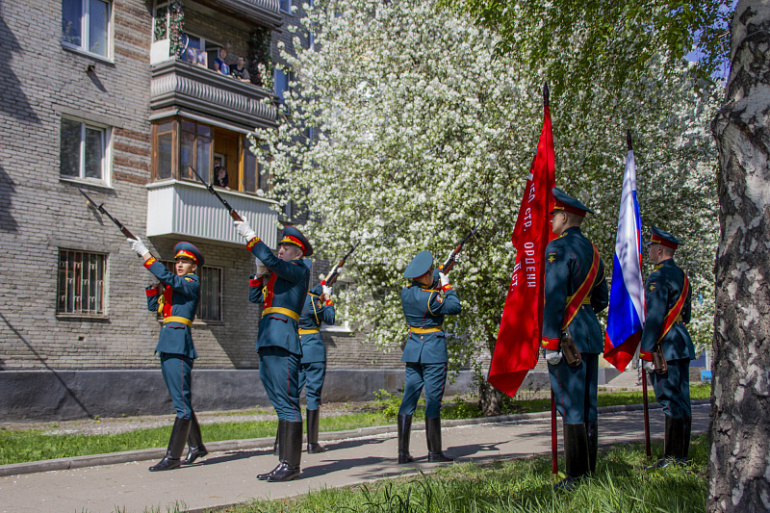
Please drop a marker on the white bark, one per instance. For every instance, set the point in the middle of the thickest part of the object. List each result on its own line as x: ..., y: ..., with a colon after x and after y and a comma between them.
x: 739, y: 467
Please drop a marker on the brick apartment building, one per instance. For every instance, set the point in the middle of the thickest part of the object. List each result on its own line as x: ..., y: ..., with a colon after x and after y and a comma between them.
x: 118, y: 98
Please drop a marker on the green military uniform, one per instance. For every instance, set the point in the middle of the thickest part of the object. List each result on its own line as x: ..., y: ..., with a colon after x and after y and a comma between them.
x: 572, y: 264
x: 665, y: 290
x: 425, y: 353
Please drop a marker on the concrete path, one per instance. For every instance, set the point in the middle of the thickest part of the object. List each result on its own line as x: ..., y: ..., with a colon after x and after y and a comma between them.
x: 228, y: 477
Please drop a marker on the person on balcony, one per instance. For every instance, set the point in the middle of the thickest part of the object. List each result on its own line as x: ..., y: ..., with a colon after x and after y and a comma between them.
x: 220, y: 177
x: 239, y: 71
x: 219, y: 63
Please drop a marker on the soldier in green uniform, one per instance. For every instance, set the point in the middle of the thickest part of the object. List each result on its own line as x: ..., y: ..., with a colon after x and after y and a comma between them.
x: 177, y: 300
x: 575, y: 290
x: 277, y: 339
x: 668, y: 297
x: 425, y: 352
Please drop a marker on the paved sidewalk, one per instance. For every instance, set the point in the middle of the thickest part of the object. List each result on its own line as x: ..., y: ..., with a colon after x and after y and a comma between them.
x: 229, y: 476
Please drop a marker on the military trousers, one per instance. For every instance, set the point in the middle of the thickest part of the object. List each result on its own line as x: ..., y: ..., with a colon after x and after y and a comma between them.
x: 177, y: 373
x: 672, y: 389
x: 575, y: 389
x: 432, y: 377
x: 279, y: 372
x: 311, y: 378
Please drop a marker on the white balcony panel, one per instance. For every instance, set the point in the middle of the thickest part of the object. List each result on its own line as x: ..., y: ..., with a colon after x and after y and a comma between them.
x: 188, y: 209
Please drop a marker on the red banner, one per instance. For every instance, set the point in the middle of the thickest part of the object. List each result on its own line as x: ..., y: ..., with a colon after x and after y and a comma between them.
x: 518, y: 340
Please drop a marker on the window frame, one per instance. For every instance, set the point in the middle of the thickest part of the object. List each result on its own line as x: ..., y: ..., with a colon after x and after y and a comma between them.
x: 169, y: 264
x: 281, y: 4
x: 102, y: 285
x: 106, y: 144
x: 85, y: 31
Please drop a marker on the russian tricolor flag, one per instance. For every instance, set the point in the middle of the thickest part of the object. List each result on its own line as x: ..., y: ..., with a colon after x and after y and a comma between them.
x: 625, y: 317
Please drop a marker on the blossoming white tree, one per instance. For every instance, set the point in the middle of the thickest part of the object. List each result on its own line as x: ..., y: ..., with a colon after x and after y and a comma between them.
x: 405, y: 127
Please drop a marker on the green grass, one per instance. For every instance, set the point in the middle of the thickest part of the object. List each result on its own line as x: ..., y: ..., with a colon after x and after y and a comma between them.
x: 519, y: 486
x: 31, y: 445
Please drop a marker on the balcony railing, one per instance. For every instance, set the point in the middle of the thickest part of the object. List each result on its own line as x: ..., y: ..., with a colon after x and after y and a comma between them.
x: 191, y: 87
x: 265, y: 12
x: 188, y: 209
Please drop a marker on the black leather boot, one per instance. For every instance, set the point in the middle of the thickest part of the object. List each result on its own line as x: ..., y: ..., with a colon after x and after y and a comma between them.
x: 670, y: 443
x: 194, y: 442
x: 404, y: 428
x: 277, y: 448
x: 575, y: 456
x: 684, y: 442
x: 176, y: 444
x: 291, y: 447
x: 592, y: 433
x: 313, y: 446
x: 433, y: 433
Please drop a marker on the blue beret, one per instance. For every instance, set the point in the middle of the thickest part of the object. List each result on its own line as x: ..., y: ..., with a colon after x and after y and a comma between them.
x: 419, y: 265
x: 563, y: 201
x: 291, y: 235
x: 187, y: 250
x: 663, y: 237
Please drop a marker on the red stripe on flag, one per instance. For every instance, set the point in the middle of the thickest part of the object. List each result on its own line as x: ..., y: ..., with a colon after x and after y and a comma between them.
x: 518, y: 341
x: 620, y: 356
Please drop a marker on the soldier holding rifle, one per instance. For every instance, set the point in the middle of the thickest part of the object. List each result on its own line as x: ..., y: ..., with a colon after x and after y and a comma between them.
x: 278, y: 342
x: 425, y: 352
x: 318, y: 308
x: 176, y: 297
x: 575, y: 290
x: 666, y: 347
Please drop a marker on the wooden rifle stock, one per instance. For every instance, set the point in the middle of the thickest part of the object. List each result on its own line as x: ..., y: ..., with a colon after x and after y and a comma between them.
x: 335, y: 272
x: 450, y: 262
x: 100, y: 208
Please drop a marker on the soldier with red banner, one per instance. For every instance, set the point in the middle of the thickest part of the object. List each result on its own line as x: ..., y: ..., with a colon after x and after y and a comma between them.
x: 572, y: 338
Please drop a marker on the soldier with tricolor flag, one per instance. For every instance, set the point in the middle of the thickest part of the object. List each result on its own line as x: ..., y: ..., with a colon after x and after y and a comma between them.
x: 668, y: 296
x: 575, y: 290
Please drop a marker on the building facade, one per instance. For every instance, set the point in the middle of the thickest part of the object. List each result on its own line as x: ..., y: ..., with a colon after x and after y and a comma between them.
x: 122, y: 99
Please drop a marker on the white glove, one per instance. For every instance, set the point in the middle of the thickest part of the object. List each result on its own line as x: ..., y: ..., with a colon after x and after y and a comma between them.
x: 444, y: 279
x: 137, y: 246
x: 261, y: 268
x: 648, y: 366
x: 552, y: 357
x: 327, y: 290
x: 245, y: 230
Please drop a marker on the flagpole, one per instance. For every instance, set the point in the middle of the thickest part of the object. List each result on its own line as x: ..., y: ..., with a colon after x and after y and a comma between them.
x: 645, y: 402
x: 554, y: 454
x: 646, y: 414
x: 554, y: 442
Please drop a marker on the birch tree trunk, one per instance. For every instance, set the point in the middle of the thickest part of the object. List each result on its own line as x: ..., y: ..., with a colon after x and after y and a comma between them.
x: 739, y: 467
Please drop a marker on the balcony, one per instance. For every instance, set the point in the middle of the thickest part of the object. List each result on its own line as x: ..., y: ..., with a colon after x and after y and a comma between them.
x: 264, y: 12
x: 183, y: 86
x: 187, y: 209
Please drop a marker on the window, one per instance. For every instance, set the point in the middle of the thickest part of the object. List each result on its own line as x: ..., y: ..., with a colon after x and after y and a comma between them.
x: 286, y: 6
x: 281, y: 81
x: 210, y: 306
x: 81, y: 283
x: 179, y: 143
x: 254, y: 177
x: 86, y: 25
x: 196, y: 149
x: 83, y: 150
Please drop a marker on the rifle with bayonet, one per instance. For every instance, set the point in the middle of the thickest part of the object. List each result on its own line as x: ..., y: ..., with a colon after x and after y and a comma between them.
x: 210, y: 187
x: 450, y: 261
x: 100, y: 208
x: 335, y: 272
